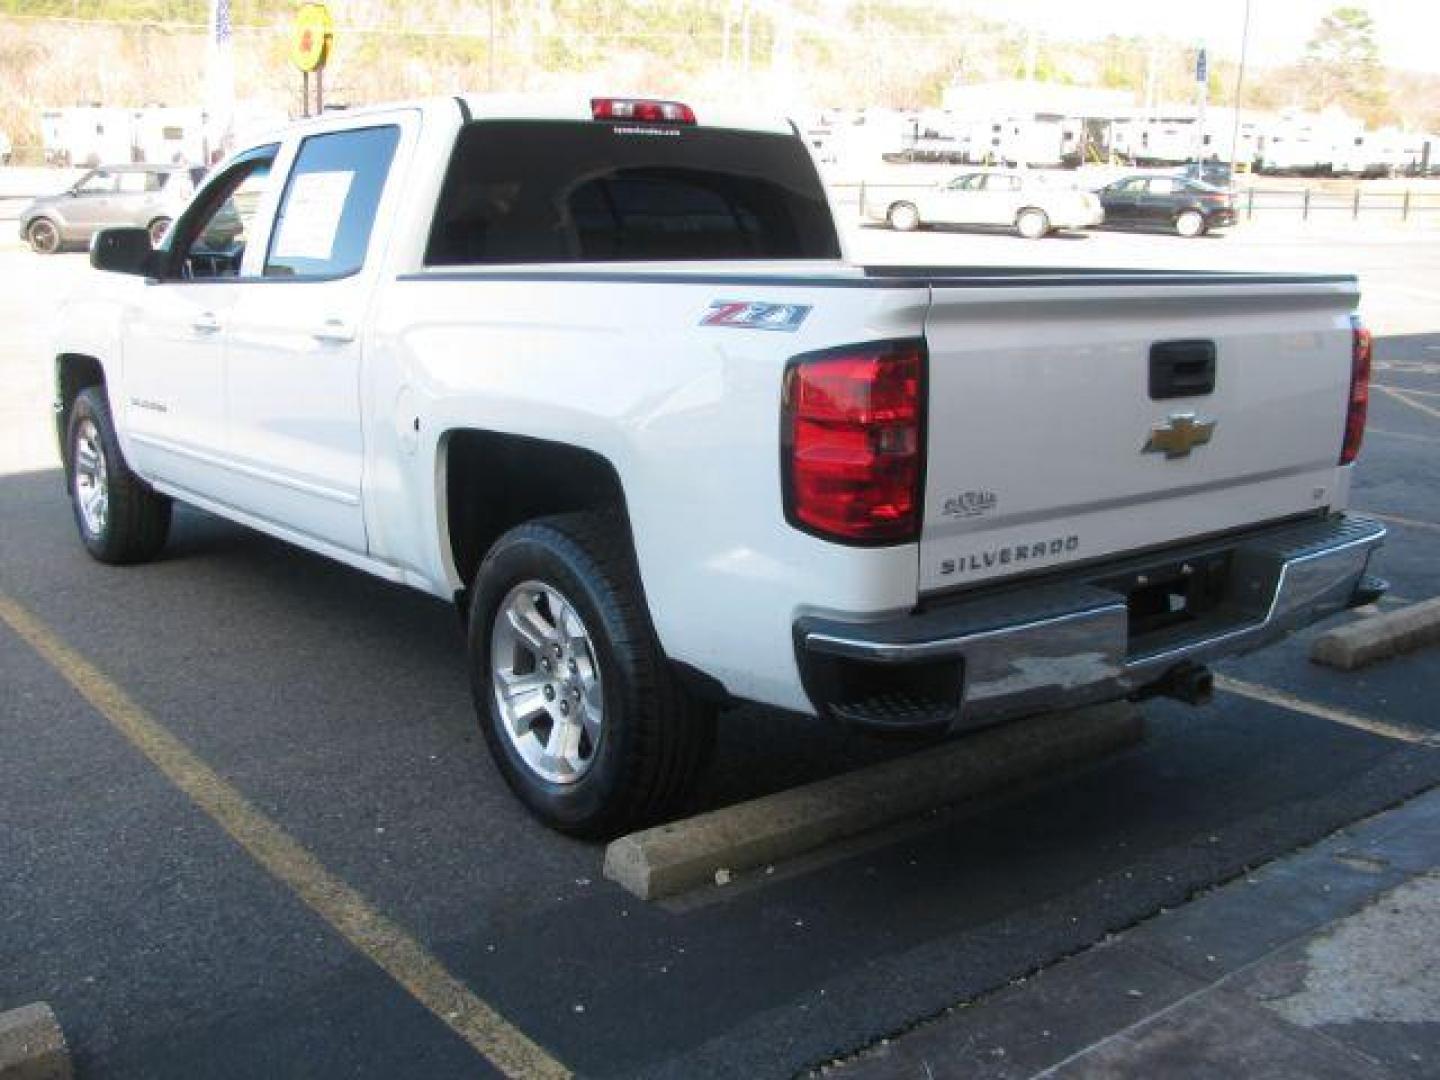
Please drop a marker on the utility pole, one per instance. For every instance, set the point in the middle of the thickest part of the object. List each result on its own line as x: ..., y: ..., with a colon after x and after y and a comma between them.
x: 490, y: 52
x: 725, y: 44
x: 1202, y: 94
x: 1239, y: 87
x: 1151, y: 62
x: 745, y: 41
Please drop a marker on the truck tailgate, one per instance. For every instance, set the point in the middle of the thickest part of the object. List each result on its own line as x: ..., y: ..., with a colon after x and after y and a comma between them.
x: 1046, y: 447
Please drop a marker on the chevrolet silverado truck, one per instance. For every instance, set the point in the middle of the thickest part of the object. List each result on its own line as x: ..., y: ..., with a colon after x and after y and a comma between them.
x: 598, y: 372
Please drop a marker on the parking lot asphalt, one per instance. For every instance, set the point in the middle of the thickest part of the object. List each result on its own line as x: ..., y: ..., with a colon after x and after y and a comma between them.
x: 336, y: 706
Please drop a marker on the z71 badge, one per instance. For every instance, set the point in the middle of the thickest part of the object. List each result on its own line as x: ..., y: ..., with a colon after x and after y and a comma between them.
x: 753, y: 315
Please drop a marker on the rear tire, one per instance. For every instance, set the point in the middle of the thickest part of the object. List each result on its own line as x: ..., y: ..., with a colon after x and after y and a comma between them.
x: 43, y: 235
x: 1190, y: 223
x: 564, y: 590
x: 120, y: 517
x: 1032, y: 224
x: 903, y: 217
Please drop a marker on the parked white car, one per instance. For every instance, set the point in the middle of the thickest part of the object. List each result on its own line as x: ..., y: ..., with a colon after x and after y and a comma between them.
x: 1032, y: 203
x: 597, y: 372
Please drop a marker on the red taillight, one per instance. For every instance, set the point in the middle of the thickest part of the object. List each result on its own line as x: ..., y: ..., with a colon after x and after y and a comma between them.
x: 641, y: 111
x: 853, y: 445
x: 1360, y: 350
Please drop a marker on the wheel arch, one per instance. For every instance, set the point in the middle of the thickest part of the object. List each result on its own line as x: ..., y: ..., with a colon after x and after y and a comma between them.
x: 74, y: 372
x: 487, y: 482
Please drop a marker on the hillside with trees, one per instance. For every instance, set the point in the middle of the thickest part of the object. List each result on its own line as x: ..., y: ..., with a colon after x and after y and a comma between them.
x: 813, y: 53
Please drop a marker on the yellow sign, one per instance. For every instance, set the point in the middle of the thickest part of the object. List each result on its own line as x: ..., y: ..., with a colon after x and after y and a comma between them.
x: 310, y: 40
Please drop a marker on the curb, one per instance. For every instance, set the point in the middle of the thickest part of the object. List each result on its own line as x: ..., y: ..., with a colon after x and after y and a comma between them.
x: 670, y: 859
x: 32, y: 1046
x: 1240, y: 980
x: 1379, y: 637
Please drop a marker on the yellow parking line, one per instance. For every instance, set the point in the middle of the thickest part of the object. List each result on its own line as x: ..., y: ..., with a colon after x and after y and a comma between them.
x: 387, y: 945
x: 1324, y: 712
x: 1400, y: 397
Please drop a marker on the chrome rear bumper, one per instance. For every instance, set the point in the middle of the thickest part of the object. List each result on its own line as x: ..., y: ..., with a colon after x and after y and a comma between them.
x: 1031, y: 648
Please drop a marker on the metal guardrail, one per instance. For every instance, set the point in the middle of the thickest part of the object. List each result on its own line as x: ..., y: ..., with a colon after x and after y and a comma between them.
x: 1401, y: 205
x: 1307, y: 202
x: 1405, y: 205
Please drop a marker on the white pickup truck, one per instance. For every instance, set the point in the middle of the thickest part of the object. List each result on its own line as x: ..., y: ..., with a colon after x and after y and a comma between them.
x: 598, y: 372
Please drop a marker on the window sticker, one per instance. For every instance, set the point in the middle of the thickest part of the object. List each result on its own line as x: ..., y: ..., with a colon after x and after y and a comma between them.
x: 312, y: 215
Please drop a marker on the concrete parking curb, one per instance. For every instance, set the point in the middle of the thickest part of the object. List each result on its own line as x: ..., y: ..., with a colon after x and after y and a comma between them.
x: 1379, y: 637
x: 674, y: 858
x: 32, y: 1046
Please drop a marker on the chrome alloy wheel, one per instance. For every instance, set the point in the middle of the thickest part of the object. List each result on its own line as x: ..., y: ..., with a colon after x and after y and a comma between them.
x: 546, y: 680
x: 92, y: 490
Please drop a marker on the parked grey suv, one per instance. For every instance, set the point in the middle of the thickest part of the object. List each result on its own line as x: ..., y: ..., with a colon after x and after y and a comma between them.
x: 146, y: 195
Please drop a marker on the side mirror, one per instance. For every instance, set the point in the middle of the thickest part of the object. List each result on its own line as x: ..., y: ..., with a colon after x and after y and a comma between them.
x: 123, y: 251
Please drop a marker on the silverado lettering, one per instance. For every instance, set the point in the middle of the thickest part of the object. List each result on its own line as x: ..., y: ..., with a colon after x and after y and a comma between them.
x: 1004, y: 556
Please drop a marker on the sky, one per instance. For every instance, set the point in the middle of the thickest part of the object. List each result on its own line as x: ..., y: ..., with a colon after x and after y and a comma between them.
x: 1407, y: 31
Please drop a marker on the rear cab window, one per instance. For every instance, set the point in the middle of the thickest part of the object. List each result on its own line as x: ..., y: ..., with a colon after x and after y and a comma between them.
x: 526, y: 191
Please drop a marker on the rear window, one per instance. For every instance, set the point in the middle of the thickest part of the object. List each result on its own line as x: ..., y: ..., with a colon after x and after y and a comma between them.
x: 559, y: 191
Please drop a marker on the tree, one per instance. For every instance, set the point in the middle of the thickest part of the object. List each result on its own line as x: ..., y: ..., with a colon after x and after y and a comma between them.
x: 1342, y: 64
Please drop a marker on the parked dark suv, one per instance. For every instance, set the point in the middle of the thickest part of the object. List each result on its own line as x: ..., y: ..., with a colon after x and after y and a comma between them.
x: 1188, y: 207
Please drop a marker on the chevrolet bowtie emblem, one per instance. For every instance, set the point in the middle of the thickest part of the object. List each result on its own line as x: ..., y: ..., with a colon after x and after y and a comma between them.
x: 1179, y: 435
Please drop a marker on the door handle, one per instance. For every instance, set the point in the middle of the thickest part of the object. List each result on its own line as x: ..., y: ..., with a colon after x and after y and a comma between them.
x: 205, y: 323
x: 334, y: 331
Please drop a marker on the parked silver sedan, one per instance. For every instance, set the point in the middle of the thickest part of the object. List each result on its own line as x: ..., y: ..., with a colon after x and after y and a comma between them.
x: 1034, y: 204
x: 146, y: 195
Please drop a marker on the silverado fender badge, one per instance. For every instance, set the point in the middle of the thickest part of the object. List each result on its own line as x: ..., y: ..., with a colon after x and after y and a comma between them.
x: 754, y: 315
x: 1179, y: 435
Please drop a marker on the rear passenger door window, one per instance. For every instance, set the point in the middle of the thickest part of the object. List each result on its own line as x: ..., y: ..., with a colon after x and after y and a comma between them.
x: 327, y: 213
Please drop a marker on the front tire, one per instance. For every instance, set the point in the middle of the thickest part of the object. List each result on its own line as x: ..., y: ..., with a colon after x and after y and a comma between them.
x: 120, y: 517
x: 1190, y: 223
x: 903, y: 217
x: 579, y: 707
x: 43, y: 235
